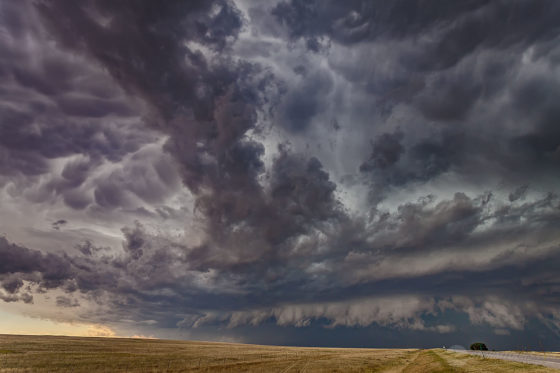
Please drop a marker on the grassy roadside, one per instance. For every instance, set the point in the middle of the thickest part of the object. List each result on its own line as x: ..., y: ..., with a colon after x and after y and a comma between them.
x: 471, y: 363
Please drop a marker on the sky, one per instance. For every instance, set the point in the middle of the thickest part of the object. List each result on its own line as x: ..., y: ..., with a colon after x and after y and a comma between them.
x: 296, y: 172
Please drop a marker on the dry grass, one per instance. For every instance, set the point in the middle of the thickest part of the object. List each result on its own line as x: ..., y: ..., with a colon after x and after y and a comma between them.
x: 472, y: 363
x: 73, y: 354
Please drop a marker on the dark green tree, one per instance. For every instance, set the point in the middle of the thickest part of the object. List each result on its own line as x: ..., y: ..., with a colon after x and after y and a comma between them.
x: 479, y: 346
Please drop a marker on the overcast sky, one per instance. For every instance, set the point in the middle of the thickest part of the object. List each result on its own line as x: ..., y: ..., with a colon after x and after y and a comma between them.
x: 341, y: 173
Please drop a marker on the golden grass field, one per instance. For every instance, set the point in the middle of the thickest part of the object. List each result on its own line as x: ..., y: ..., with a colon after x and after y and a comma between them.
x: 80, y: 354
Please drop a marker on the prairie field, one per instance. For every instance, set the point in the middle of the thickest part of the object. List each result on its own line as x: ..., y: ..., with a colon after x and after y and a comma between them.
x: 81, y: 354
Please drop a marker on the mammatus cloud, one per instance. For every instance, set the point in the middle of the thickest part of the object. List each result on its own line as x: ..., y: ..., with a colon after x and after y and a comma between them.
x: 202, y: 165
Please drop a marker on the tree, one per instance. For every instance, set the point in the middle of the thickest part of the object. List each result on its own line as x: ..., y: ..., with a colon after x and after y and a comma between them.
x: 479, y: 346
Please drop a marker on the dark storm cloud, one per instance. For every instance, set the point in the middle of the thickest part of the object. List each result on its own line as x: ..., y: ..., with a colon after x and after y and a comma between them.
x: 440, y: 94
x: 451, y: 65
x: 208, y: 110
x: 463, y: 27
x: 88, y: 248
x: 430, y: 157
x: 399, y: 161
x: 120, y: 34
x: 518, y: 193
x: 387, y: 150
x: 448, y: 98
x: 59, y: 223
x: 306, y: 100
x: 57, y: 105
x: 355, y: 21
x: 62, y: 301
x: 61, y: 138
x: 157, y: 276
x: 259, y: 231
x: 429, y: 37
x: 21, y: 264
x: 533, y: 99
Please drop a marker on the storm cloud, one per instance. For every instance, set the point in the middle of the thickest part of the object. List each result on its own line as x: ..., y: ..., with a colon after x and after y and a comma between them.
x: 226, y: 168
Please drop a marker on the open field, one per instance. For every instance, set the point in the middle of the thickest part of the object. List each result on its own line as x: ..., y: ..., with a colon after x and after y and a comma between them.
x: 75, y: 354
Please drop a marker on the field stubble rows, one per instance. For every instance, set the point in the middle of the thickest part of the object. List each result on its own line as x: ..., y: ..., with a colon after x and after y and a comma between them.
x: 76, y: 354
